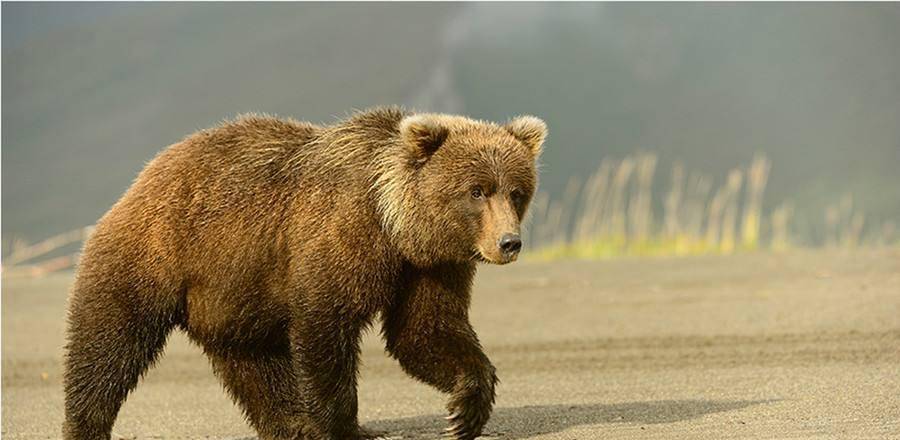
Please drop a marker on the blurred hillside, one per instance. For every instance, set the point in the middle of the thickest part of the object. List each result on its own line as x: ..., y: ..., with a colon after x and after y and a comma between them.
x: 92, y: 91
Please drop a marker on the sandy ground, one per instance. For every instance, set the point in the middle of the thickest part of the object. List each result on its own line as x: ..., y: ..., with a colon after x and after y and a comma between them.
x: 804, y: 345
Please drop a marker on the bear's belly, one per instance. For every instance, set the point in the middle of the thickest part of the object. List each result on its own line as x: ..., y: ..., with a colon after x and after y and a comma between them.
x: 236, y: 320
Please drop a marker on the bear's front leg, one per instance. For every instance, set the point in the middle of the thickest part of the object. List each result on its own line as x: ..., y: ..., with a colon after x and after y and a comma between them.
x: 326, y: 347
x: 427, y: 329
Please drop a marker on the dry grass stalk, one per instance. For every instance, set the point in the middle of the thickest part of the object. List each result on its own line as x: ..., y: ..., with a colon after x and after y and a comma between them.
x: 554, y: 220
x: 573, y: 187
x: 729, y: 218
x: 714, y: 221
x: 24, y: 253
x: 617, y: 215
x: 695, y: 207
x: 854, y: 230
x: 593, y: 202
x: 537, y: 216
x: 781, y: 218
x: 757, y: 176
x: 672, y: 224
x: 43, y: 268
x: 639, y: 208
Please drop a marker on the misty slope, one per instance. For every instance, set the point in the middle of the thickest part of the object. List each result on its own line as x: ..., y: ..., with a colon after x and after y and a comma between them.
x: 85, y: 106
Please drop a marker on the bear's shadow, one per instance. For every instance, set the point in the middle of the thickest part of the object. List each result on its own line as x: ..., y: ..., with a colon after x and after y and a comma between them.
x: 528, y: 421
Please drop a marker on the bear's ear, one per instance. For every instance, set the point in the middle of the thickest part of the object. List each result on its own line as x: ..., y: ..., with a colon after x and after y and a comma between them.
x: 423, y: 134
x: 529, y: 130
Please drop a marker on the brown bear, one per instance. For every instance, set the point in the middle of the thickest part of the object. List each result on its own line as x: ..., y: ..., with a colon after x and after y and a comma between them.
x: 274, y: 243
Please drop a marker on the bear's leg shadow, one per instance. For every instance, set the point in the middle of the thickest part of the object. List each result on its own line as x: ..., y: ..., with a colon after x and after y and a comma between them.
x: 326, y: 351
x: 427, y: 330
x: 263, y: 383
x: 113, y: 338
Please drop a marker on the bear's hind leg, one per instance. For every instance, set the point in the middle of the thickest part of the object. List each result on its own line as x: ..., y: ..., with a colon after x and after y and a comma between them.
x: 263, y: 383
x: 112, y: 340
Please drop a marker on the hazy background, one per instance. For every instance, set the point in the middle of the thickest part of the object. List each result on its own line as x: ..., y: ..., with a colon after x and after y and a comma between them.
x: 90, y: 92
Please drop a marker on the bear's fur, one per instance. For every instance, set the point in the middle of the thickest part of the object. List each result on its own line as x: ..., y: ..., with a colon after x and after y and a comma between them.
x: 274, y: 243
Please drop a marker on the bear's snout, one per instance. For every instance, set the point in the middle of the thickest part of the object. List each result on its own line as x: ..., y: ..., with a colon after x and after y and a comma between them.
x: 510, y: 244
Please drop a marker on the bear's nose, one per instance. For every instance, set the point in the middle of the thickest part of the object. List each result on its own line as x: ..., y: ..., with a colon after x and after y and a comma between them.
x: 510, y: 243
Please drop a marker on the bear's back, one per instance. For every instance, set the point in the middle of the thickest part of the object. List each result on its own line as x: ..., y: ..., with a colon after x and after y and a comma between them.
x: 219, y: 196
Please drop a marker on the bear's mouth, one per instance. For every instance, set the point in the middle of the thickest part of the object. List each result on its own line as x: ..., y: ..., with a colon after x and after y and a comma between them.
x: 479, y: 256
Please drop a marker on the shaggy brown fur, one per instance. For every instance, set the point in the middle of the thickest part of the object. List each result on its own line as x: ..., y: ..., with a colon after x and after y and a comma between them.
x: 274, y: 243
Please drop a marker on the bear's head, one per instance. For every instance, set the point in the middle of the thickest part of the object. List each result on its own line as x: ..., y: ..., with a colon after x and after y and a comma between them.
x: 457, y: 189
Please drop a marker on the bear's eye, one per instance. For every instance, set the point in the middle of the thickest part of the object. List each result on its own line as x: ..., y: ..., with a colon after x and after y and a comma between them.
x: 477, y: 193
x: 516, y: 195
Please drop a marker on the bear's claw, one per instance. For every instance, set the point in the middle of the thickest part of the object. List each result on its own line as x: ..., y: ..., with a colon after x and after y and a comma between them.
x: 465, y: 425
